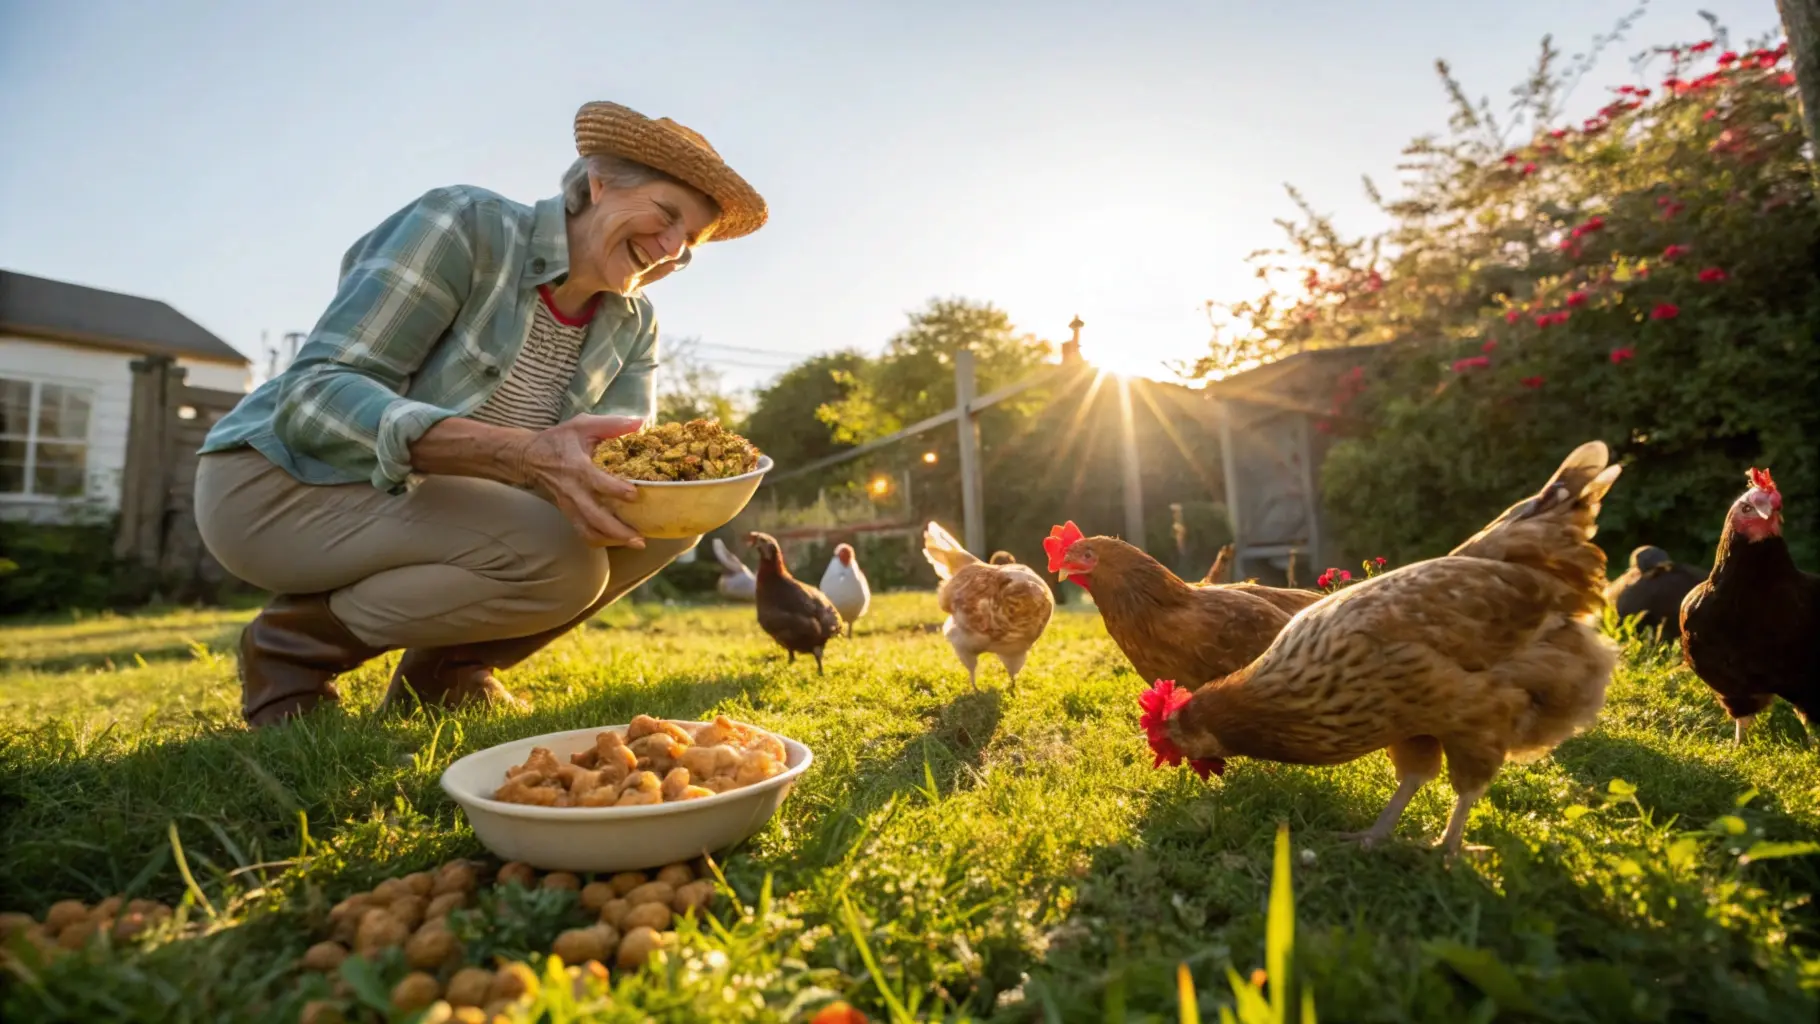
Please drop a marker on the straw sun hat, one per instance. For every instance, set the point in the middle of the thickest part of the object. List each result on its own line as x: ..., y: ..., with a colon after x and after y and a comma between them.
x: 680, y: 152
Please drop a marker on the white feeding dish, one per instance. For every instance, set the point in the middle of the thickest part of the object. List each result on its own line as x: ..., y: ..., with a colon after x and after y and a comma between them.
x: 609, y: 839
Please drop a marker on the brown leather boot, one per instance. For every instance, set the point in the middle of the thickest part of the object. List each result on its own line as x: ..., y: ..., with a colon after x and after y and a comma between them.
x: 290, y: 655
x: 449, y: 676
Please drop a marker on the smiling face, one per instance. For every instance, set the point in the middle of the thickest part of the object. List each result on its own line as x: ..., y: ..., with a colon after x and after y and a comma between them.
x: 630, y: 237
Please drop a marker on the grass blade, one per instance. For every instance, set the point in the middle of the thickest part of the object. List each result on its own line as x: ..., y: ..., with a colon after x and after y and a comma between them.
x: 189, y: 880
x: 1184, y: 992
x: 1279, y: 940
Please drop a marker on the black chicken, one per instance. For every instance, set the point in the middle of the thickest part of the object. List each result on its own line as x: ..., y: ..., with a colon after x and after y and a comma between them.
x: 1653, y: 588
x: 1750, y: 630
x: 798, y: 616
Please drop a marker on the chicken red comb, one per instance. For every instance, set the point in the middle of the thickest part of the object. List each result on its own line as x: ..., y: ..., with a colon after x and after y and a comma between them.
x: 1160, y: 703
x: 1060, y: 539
x: 1759, y: 478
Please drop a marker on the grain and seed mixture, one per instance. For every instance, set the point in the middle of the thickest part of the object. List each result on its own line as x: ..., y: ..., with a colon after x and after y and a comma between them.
x: 696, y: 450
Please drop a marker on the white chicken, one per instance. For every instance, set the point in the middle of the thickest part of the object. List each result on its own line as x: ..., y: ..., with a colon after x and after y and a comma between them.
x: 845, y: 584
x: 736, y: 581
x: 999, y: 608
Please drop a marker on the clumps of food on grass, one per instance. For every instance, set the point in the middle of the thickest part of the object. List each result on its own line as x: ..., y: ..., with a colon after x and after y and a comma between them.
x: 696, y: 450
x: 652, y: 762
x: 72, y: 925
x: 439, y: 955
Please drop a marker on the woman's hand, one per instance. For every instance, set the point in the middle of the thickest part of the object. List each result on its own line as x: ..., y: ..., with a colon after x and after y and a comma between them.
x: 559, y: 462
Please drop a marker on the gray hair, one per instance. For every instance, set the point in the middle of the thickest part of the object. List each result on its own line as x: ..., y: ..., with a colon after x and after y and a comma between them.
x: 613, y: 172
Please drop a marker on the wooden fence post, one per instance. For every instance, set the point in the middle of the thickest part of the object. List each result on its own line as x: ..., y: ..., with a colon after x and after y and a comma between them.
x: 140, y: 535
x: 973, y: 512
x: 1134, y: 476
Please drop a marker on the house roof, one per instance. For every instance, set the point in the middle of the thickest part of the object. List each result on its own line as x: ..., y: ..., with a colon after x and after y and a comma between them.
x: 38, y: 307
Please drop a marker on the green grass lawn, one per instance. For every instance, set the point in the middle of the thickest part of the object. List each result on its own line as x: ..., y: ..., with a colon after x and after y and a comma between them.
x: 955, y: 855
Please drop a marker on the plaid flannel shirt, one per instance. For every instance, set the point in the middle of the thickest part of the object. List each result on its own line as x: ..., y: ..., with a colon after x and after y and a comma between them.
x: 433, y: 307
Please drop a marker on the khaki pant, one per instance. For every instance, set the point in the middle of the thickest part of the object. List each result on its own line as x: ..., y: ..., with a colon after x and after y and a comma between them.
x: 454, y: 561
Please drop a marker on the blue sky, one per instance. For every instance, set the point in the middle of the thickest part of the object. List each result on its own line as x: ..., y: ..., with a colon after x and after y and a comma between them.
x: 1118, y: 161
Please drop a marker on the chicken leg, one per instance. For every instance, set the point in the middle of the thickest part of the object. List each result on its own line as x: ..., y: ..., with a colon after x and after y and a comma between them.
x: 1417, y: 761
x: 1014, y: 663
x: 1470, y: 771
x: 1740, y: 726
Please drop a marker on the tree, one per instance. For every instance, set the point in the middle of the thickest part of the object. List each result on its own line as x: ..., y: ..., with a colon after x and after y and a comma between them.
x: 1801, y: 21
x: 689, y: 389
x: 784, y: 423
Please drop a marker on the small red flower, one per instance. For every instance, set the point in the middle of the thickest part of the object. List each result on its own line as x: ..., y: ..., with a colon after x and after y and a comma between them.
x: 1665, y: 311
x: 1712, y: 275
x: 1592, y: 224
x: 1511, y: 316
x: 1549, y: 319
x: 1380, y: 560
x: 1558, y: 133
x: 1510, y: 159
x: 1529, y: 169
x: 1576, y: 299
x: 1533, y: 382
x: 1786, y: 78
x: 1621, y: 355
x: 1709, y: 115
x: 1345, y: 577
x: 1675, y: 252
x: 1324, y: 579
x: 1490, y: 346
x: 1673, y: 83
x: 1701, y: 47
x: 1471, y: 363
x: 1374, y: 281
x: 1669, y: 210
x: 1728, y: 57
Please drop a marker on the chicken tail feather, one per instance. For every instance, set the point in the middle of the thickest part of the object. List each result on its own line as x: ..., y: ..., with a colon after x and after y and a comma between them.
x: 1552, y: 530
x: 944, y: 552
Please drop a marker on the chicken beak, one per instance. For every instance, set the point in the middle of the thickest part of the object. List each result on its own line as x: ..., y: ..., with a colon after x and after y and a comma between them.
x: 1760, y: 503
x: 1063, y: 574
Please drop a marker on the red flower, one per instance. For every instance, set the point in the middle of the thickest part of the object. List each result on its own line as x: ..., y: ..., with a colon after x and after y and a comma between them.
x: 1701, y: 47
x: 1345, y: 577
x: 1669, y: 210
x: 1533, y: 382
x: 1786, y: 78
x: 1576, y: 299
x: 1712, y: 275
x: 1547, y: 319
x: 1324, y: 579
x: 1472, y: 363
x: 1374, y: 281
x: 1709, y: 115
x: 1620, y: 355
x: 1380, y: 560
x: 1675, y: 252
x: 1728, y: 57
x: 1512, y: 315
x: 1665, y: 311
x: 1529, y: 169
x: 1592, y: 224
x: 1490, y: 346
x: 1510, y: 159
x: 1673, y: 83
x: 1558, y: 133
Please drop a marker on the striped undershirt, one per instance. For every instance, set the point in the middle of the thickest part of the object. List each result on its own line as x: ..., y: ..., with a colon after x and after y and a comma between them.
x: 533, y: 392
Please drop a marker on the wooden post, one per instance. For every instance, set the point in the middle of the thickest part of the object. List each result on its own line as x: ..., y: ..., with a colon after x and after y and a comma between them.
x: 144, y: 485
x: 973, y: 512
x: 1311, y: 501
x: 1229, y: 468
x: 1134, y: 476
x: 1801, y: 22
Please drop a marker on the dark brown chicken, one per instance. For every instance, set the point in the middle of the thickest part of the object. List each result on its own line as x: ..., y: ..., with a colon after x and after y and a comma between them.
x: 1652, y: 588
x: 799, y: 617
x: 1169, y: 628
x: 1751, y: 630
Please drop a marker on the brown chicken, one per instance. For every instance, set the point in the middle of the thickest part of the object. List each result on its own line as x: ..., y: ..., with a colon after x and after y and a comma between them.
x: 1491, y: 652
x: 999, y: 608
x: 1169, y: 628
x: 799, y: 617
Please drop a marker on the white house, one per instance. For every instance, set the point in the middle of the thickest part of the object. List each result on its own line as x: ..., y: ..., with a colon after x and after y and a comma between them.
x: 66, y: 387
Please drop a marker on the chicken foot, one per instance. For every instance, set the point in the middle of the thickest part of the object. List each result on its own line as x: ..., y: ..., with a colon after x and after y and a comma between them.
x: 1417, y: 761
x: 1741, y: 725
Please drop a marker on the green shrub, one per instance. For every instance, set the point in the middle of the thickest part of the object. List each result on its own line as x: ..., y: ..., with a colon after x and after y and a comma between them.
x: 56, y: 567
x: 1647, y: 277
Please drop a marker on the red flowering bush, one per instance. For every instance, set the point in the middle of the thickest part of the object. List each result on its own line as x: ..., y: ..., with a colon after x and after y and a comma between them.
x: 1657, y: 272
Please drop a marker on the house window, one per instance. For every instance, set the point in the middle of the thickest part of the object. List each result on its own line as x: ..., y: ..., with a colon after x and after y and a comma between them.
x: 43, y: 438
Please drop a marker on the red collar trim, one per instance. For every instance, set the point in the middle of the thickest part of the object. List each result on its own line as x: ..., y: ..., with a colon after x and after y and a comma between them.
x: 587, y: 312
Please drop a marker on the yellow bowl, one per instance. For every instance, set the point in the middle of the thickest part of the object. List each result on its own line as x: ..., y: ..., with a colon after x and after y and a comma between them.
x: 673, y: 509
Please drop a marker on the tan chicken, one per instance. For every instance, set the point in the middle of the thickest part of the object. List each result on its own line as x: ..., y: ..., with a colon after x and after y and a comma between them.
x: 1488, y: 653
x: 1167, y: 627
x: 999, y: 608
